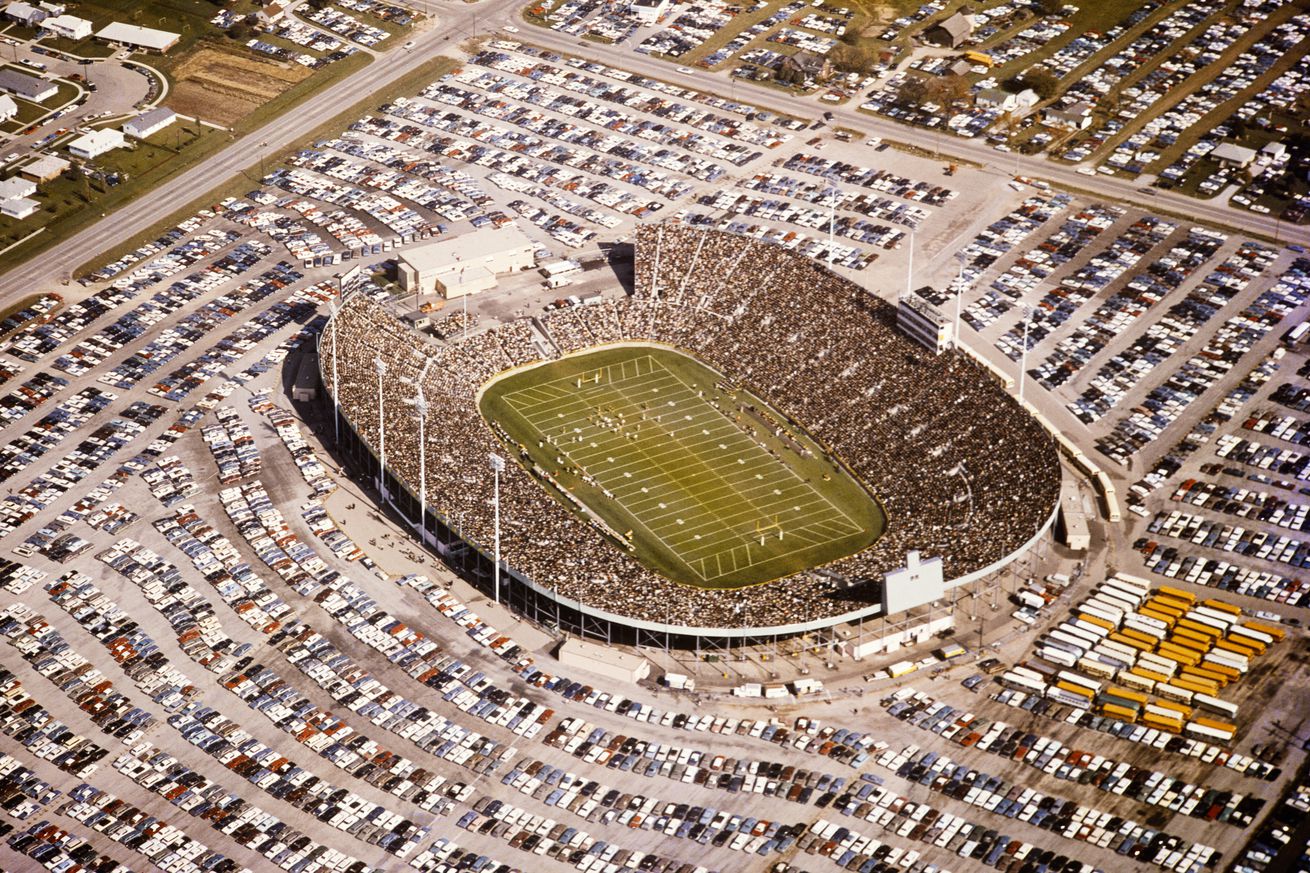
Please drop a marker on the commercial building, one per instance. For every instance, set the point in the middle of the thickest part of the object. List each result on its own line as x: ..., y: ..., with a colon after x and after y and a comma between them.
x: 1232, y: 155
x: 464, y: 265
x: 27, y: 87
x: 68, y: 26
x: 133, y: 36
x: 149, y: 123
x: 45, y: 167
x: 603, y: 660
x: 96, y: 143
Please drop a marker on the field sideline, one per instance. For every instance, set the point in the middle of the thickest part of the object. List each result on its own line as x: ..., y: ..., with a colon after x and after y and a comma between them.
x: 687, y: 471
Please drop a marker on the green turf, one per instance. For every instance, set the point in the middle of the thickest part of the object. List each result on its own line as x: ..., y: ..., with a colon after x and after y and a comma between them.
x: 695, y: 483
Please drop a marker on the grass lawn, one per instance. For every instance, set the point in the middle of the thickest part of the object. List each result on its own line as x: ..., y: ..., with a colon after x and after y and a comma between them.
x: 67, y: 204
x: 239, y: 184
x: 83, y: 48
x: 688, y: 475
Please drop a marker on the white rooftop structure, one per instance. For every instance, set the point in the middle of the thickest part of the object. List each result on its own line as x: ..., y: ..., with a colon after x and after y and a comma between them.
x: 8, y: 108
x: 96, y: 143
x: 465, y: 264
x: 140, y: 37
x: 68, y: 26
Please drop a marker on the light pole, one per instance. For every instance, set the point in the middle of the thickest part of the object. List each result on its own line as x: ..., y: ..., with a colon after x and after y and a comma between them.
x: 421, y: 407
x: 381, y: 366
x: 336, y: 404
x: 1023, y: 352
x: 497, y: 465
x: 833, y: 192
x: 959, y: 298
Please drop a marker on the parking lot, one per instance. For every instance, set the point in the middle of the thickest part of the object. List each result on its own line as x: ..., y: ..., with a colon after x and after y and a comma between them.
x: 221, y: 656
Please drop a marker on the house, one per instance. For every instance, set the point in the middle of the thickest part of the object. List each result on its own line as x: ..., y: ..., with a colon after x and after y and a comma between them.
x: 133, y: 36
x: 805, y: 65
x: 25, y: 14
x: 952, y: 32
x: 1075, y: 117
x: 68, y: 26
x: 959, y: 67
x: 1003, y: 101
x: 1230, y: 154
x: 53, y: 8
x: 149, y: 123
x: 16, y: 187
x: 1275, y: 151
x: 45, y: 168
x: 647, y: 12
x: 25, y: 86
x: 271, y: 13
x: 995, y: 98
x: 8, y: 108
x: 18, y: 207
x: 96, y: 143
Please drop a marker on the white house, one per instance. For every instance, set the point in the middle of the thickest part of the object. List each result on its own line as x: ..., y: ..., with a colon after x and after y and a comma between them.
x: 1076, y: 117
x: 25, y: 13
x: 96, y: 143
x: 18, y: 207
x: 647, y: 12
x: 149, y: 123
x: 271, y: 13
x: 68, y: 26
x: 8, y: 108
x: 1275, y: 151
x: 16, y: 187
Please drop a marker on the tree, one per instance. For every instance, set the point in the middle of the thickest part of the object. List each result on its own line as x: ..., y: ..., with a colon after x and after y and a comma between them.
x: 913, y: 92
x: 1050, y: 7
x: 1042, y: 81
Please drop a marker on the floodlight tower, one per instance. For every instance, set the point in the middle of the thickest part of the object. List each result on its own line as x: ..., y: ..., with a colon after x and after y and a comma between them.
x: 959, y: 297
x: 497, y: 466
x: 381, y: 366
x: 1023, y: 352
x: 832, y: 192
x: 336, y: 403
x: 421, y: 407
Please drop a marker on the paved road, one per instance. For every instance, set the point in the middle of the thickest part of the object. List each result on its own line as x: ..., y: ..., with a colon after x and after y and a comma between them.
x: 456, y: 21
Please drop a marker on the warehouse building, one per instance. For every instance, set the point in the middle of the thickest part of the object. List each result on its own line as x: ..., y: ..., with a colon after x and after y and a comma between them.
x: 465, y: 265
x: 603, y: 660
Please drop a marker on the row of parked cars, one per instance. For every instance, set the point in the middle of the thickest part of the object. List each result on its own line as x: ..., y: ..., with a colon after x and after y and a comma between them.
x: 1146, y: 785
x: 231, y: 814
x: 1222, y: 352
x: 1060, y: 816
x: 1183, y: 320
x: 172, y: 342
x: 58, y: 849
x: 44, y: 436
x: 29, y: 723
x: 166, y: 846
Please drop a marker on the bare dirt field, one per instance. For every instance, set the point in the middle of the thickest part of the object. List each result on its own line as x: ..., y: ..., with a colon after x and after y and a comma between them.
x: 222, y: 87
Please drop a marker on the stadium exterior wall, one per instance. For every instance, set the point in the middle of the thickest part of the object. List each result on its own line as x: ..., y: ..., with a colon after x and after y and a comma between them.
x: 405, y: 504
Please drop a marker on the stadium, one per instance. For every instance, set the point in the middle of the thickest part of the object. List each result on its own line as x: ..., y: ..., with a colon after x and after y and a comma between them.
x: 742, y: 447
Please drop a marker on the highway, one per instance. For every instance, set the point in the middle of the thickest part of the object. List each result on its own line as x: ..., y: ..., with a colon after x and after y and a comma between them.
x: 455, y: 21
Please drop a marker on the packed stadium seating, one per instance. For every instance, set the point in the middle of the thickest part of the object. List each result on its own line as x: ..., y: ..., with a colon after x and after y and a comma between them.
x: 959, y: 468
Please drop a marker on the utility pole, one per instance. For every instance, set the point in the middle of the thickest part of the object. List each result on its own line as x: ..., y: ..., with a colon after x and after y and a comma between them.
x: 336, y: 403
x: 421, y: 406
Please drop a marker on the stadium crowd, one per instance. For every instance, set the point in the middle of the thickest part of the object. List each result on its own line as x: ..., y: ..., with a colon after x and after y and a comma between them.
x: 959, y: 469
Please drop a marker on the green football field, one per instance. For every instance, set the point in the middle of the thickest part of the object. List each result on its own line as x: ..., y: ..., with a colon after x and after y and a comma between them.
x: 699, y: 480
